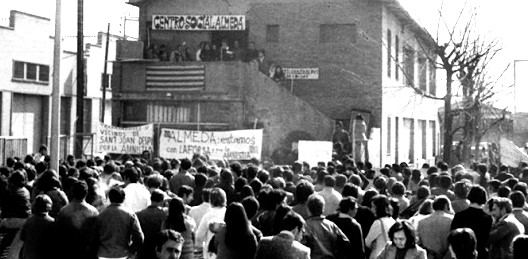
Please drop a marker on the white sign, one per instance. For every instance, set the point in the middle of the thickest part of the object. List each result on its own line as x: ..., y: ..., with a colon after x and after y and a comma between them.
x: 510, y: 154
x: 230, y: 145
x: 301, y: 73
x: 133, y: 140
x: 315, y: 151
x: 199, y: 22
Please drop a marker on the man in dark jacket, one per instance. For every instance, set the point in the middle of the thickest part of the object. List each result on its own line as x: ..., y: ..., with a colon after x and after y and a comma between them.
x: 345, y: 221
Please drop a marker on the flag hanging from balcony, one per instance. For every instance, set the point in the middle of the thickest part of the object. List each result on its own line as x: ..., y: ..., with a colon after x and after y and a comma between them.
x: 183, y: 78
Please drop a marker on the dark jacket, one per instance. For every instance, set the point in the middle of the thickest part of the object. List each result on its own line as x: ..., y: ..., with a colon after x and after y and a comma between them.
x: 479, y: 222
x: 413, y: 253
x: 352, y: 230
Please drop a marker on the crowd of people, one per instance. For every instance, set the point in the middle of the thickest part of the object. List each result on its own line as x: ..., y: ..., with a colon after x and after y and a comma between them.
x: 208, y: 51
x: 200, y: 208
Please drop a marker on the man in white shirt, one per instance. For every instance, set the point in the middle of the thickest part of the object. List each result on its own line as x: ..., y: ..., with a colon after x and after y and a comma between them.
x: 137, y: 197
x: 330, y: 196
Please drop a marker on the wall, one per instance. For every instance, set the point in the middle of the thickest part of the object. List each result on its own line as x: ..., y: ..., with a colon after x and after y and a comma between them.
x: 349, y: 76
x: 401, y: 101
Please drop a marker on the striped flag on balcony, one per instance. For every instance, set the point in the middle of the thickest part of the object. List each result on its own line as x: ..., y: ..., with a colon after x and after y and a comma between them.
x: 183, y: 78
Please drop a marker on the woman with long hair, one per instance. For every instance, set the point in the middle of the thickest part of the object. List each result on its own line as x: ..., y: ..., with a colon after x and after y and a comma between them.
x: 50, y: 185
x: 378, y: 236
x: 177, y: 220
x: 235, y: 239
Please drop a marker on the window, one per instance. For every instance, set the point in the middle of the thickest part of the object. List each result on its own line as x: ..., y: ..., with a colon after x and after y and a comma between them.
x: 432, y: 125
x: 106, y: 80
x: 397, y: 57
x: 272, y: 33
x: 422, y: 68
x: 408, y: 66
x: 134, y: 111
x: 397, y: 139
x: 389, y: 52
x: 338, y: 33
x: 30, y: 72
x: 389, y: 135
x: 423, y: 129
x: 432, y: 79
x: 168, y: 113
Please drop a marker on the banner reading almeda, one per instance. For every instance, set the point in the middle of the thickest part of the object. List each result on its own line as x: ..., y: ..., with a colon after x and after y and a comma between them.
x: 133, y: 140
x: 230, y: 145
x: 199, y: 22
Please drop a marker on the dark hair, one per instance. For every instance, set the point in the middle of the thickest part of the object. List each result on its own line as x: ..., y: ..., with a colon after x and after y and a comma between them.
x: 462, y: 188
x: 256, y: 185
x: 79, y: 190
x: 131, y: 174
x: 329, y: 181
x: 315, y: 204
x: 280, y: 213
x: 185, y: 190
x: 246, y: 192
x: 423, y: 192
x: 303, y: 190
x: 175, y: 219
x: 382, y: 204
x: 347, y: 204
x: 350, y: 190
x: 522, y: 187
x: 165, y: 235
x: 503, y: 191
x: 17, y: 179
x: 42, y: 204
x: 445, y: 181
x: 494, y: 184
x: 206, y: 194
x: 502, y: 203
x: 408, y: 230
x: 251, y: 206
x: 157, y: 196
x: 518, y: 199
x: 200, y: 179
x: 292, y: 221
x: 238, y: 235
x: 463, y: 242
x: 398, y: 188
x: 185, y: 164
x: 440, y: 203
x: 116, y: 195
x: 520, y: 247
x: 368, y: 197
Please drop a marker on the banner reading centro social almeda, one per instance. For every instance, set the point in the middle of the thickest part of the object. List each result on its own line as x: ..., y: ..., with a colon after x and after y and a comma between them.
x: 132, y: 140
x: 199, y: 22
x: 230, y: 145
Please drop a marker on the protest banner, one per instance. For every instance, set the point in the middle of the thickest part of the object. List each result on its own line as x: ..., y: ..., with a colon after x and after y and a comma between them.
x: 230, y: 145
x: 132, y: 140
x: 301, y: 73
x: 315, y: 151
x: 510, y: 154
x: 199, y: 22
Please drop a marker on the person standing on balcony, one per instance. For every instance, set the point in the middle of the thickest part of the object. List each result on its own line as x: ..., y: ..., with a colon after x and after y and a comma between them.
x: 360, y: 139
x: 341, y: 136
x: 263, y: 63
x: 251, y: 53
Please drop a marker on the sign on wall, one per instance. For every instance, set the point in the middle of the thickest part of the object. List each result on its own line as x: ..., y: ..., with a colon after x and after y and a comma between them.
x: 199, y: 22
x: 302, y: 73
x: 315, y: 151
x: 230, y: 145
x: 133, y: 140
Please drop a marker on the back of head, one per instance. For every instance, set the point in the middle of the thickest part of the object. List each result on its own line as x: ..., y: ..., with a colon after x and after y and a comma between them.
x: 477, y: 195
x: 79, y: 190
x: 520, y: 247
x: 131, y: 174
x: 116, y: 194
x: 347, y: 204
x: 303, y: 190
x: 292, y: 221
x: 157, y: 196
x: 42, y: 204
x: 518, y: 199
x: 398, y: 188
x: 315, y: 205
x: 462, y: 188
x: 441, y: 203
x: 329, y: 181
x: 185, y: 164
x: 463, y: 242
x: 382, y: 204
x: 218, y: 197
x: 444, y: 181
x: 423, y: 192
x: 251, y: 206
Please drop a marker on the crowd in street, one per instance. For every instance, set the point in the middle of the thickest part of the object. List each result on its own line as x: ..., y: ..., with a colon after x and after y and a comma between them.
x: 200, y: 208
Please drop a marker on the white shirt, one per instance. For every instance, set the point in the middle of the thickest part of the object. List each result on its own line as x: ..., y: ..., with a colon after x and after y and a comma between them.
x: 197, y: 212
x: 331, y: 198
x: 375, y: 233
x: 137, y: 197
x: 203, y: 234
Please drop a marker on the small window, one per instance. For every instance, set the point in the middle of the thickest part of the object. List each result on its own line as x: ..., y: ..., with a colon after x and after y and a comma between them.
x: 43, y: 73
x: 31, y: 73
x: 389, y: 53
x: 432, y: 79
x: 422, y: 66
x: 272, y: 33
x: 18, y: 70
x: 408, y: 66
x: 397, y: 57
x: 338, y: 33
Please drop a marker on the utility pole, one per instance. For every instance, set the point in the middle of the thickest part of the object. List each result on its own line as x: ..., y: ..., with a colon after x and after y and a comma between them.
x: 80, y: 81
x: 105, y: 75
x: 55, y: 96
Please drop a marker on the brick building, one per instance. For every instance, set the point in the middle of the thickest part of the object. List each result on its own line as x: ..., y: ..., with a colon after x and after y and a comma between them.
x: 366, y: 53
